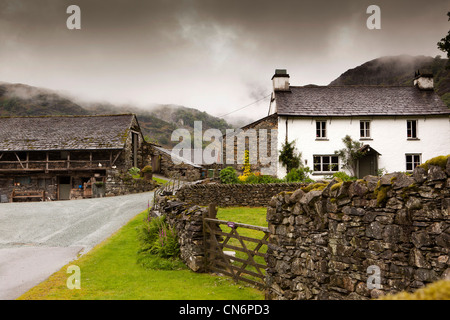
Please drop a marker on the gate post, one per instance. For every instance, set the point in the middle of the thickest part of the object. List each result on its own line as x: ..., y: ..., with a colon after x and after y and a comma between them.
x: 212, y: 211
x: 207, y: 242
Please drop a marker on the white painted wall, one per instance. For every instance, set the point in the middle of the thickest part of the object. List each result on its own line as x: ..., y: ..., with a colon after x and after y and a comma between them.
x: 273, y: 104
x: 389, y: 137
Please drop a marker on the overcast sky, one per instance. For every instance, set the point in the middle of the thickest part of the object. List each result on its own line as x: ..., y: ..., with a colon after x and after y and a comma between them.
x: 213, y: 55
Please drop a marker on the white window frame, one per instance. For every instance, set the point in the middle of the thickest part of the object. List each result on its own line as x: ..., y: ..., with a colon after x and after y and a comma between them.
x: 330, y: 163
x: 321, y: 129
x: 416, y: 160
x: 364, y: 129
x: 412, y: 133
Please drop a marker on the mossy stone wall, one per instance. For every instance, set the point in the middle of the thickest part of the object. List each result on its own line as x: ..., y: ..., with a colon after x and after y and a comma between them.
x: 325, y: 242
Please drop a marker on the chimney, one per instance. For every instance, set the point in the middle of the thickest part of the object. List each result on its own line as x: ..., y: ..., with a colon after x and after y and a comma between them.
x: 280, y: 80
x: 423, y: 81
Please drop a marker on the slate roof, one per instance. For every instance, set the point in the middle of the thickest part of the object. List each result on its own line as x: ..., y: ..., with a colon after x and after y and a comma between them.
x: 359, y: 101
x: 47, y: 133
x: 174, y: 156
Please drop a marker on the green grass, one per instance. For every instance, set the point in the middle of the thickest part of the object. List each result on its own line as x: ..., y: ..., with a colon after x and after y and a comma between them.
x: 111, y: 271
x: 159, y: 180
x: 253, y: 216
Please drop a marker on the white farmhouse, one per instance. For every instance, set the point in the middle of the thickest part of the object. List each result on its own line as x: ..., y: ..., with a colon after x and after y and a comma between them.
x: 400, y: 126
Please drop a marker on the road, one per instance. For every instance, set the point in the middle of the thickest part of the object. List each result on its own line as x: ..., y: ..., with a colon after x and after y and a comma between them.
x: 38, y: 238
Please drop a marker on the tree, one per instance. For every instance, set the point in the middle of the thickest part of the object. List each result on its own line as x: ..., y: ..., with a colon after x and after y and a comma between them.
x: 444, y: 44
x: 288, y: 157
x: 350, y: 154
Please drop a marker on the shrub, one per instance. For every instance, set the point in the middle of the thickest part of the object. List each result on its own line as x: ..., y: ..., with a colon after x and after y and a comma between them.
x: 242, y: 178
x: 259, y: 178
x: 228, y: 175
x: 350, y: 154
x: 134, y: 171
x: 288, y: 156
x: 247, y: 169
x: 343, y: 176
x: 158, y: 240
x: 299, y: 175
x: 147, y: 169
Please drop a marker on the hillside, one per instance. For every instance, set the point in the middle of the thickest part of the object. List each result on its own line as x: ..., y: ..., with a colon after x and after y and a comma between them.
x: 399, y: 71
x: 157, y: 122
x: 23, y: 100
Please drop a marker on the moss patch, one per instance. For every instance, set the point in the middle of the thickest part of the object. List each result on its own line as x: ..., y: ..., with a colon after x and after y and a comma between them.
x: 412, y: 188
x: 380, y: 194
x: 439, y: 290
x: 440, y: 161
x: 336, y: 186
x: 314, y: 187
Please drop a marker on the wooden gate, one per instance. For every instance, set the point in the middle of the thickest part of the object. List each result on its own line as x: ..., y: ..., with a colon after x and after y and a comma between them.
x: 247, y: 263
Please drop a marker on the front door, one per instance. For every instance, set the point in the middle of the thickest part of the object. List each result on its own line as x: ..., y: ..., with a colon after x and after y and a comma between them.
x: 368, y: 165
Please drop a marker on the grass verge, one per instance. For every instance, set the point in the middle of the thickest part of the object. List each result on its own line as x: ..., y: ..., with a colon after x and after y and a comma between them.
x: 110, y: 272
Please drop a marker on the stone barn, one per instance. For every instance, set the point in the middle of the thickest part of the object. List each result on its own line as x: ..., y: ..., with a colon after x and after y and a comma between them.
x: 70, y: 157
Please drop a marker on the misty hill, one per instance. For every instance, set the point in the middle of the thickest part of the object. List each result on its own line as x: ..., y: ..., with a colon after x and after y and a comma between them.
x: 399, y: 71
x: 157, y: 122
x: 23, y: 100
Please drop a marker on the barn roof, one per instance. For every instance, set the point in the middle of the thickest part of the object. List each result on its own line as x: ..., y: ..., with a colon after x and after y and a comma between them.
x: 47, y: 133
x: 359, y: 101
x: 176, y: 157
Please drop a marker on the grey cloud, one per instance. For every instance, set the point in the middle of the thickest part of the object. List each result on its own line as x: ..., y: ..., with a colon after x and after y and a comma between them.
x: 210, y: 54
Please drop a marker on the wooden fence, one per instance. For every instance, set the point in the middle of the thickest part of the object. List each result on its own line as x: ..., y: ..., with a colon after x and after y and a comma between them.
x: 246, y: 261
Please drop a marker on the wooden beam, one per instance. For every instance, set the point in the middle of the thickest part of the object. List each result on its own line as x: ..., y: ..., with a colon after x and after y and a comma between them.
x: 18, y: 159
x: 115, y: 159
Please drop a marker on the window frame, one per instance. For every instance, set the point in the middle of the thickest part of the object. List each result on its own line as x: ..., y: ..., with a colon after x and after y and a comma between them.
x: 413, y: 163
x: 321, y: 129
x: 412, y: 131
x: 366, y: 129
x: 330, y: 163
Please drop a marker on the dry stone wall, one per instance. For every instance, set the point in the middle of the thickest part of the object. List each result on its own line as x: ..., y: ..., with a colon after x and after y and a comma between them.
x: 327, y: 243
x: 227, y: 195
x: 188, y: 223
x: 120, y: 182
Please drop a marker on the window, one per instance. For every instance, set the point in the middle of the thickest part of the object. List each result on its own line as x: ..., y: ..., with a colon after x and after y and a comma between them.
x: 22, y: 181
x: 412, y: 161
x: 364, y: 129
x: 411, y: 129
x: 321, y: 129
x: 326, y: 163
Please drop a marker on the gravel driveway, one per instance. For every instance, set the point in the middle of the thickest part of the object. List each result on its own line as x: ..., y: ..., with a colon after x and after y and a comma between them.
x: 38, y: 238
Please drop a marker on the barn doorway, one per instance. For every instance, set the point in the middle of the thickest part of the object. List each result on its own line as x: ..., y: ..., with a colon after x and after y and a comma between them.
x: 64, y: 187
x: 156, y: 163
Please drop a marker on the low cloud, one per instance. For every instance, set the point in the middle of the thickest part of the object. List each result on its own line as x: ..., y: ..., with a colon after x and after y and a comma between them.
x: 213, y: 55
